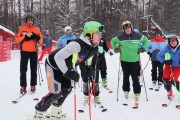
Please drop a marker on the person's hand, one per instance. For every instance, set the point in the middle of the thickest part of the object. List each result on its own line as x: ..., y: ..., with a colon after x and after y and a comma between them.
x: 27, y: 37
x: 168, y: 62
x: 116, y: 50
x: 90, y: 71
x: 150, y: 54
x: 141, y: 50
x: 72, y: 75
x: 35, y: 36
x: 110, y: 53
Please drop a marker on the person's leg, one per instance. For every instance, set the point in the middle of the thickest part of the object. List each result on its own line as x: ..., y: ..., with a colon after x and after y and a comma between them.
x: 33, y: 67
x: 23, y: 70
x: 154, y: 71
x: 160, y: 72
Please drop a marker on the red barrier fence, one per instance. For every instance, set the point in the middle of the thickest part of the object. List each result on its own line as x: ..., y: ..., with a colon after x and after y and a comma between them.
x: 5, y: 51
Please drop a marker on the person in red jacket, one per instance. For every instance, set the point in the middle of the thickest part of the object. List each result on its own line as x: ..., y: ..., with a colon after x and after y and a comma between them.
x: 28, y: 36
x: 47, y: 45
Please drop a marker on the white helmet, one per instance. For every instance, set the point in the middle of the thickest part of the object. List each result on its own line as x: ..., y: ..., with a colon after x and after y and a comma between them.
x: 67, y: 28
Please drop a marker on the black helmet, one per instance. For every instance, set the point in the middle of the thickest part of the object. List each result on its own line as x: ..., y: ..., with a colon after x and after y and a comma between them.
x: 29, y: 15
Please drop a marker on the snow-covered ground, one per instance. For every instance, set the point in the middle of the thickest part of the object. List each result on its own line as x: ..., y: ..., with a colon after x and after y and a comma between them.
x: 148, y: 110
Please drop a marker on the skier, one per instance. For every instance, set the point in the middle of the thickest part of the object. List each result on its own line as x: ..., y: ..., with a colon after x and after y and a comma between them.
x: 47, y: 45
x: 60, y: 69
x: 62, y: 41
x: 28, y: 36
x: 170, y: 56
x: 154, y: 46
x: 129, y: 56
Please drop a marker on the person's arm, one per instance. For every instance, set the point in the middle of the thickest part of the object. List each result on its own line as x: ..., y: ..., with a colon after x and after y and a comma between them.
x: 68, y: 50
x: 114, y: 42
x: 144, y: 40
x: 161, y: 55
x: 19, y: 36
x: 59, y: 42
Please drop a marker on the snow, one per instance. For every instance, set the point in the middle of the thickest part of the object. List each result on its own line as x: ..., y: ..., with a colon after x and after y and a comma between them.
x: 7, y: 30
x: 148, y: 110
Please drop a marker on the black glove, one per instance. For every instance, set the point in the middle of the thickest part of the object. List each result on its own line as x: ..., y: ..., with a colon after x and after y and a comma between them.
x: 90, y: 71
x: 27, y: 38
x: 72, y: 75
x: 35, y: 36
x: 150, y: 54
x: 168, y: 62
x: 110, y: 53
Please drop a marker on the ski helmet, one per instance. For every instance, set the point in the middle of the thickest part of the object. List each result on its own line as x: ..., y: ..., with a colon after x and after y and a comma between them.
x: 67, y: 29
x: 126, y: 24
x: 169, y: 37
x: 91, y: 27
x: 29, y: 15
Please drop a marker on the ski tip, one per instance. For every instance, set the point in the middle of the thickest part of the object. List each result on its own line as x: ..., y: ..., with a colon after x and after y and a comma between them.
x: 178, y: 106
x: 81, y: 111
x: 134, y: 107
x: 110, y: 91
x: 125, y: 104
x: 14, y: 102
x: 104, y: 110
x: 150, y: 88
x: 35, y: 99
x: 156, y: 89
x: 164, y: 105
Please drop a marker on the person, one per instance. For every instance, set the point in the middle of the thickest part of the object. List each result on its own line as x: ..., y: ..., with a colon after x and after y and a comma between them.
x: 129, y: 42
x: 170, y: 57
x: 47, y: 45
x: 60, y: 69
x: 28, y: 37
x: 62, y: 41
x: 154, y: 46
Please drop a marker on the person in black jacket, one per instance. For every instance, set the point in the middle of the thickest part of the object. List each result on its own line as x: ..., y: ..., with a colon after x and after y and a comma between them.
x: 60, y: 69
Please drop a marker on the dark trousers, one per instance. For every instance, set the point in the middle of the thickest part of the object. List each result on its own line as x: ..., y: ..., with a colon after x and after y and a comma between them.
x: 25, y: 57
x: 130, y: 68
x: 156, y: 65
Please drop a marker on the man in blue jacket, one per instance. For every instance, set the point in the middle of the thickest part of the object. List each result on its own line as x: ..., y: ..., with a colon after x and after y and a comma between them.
x: 67, y: 36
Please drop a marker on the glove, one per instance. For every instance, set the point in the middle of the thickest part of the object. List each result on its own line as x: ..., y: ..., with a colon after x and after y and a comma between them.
x: 150, y: 54
x: 116, y: 50
x: 72, y: 75
x: 90, y: 71
x: 27, y: 38
x: 168, y: 62
x: 139, y: 45
x: 100, y: 49
x: 35, y: 36
x: 110, y: 53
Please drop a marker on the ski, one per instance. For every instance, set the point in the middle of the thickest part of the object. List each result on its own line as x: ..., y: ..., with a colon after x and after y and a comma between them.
x: 108, y: 89
x: 99, y: 104
x: 34, y: 98
x: 125, y: 102
x: 18, y: 98
x: 81, y: 110
x: 178, y: 106
x: 169, y: 102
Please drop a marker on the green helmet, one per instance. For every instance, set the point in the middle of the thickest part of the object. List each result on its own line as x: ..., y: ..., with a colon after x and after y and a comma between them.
x: 91, y: 27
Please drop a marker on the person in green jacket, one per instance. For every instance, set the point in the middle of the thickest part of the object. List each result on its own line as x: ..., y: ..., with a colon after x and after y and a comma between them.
x: 131, y: 44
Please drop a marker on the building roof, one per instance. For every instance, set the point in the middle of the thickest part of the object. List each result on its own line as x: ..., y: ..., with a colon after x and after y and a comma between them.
x: 7, y: 30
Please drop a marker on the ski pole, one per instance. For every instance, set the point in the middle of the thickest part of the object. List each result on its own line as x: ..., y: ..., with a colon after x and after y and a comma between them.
x: 119, y: 75
x: 74, y: 100
x: 89, y: 99
x: 143, y: 78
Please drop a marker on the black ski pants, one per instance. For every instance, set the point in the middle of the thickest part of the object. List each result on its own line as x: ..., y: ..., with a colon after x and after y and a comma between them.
x: 25, y: 57
x: 156, y: 65
x: 131, y: 68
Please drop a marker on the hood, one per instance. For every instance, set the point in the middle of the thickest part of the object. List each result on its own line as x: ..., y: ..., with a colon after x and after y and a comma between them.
x: 173, y: 36
x: 85, y: 39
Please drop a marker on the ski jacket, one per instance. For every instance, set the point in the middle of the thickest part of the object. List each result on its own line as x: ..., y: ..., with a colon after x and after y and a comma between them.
x: 129, y: 45
x: 61, y: 58
x: 47, y: 42
x: 62, y: 41
x: 155, y: 45
x: 175, y: 55
x: 30, y: 45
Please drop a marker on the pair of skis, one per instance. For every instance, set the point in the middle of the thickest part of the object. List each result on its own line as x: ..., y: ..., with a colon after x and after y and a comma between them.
x: 169, y: 103
x: 22, y: 95
x: 135, y: 105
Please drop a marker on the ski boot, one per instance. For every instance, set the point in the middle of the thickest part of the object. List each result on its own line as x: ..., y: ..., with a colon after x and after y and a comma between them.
x: 126, y: 94
x: 136, y: 96
x: 104, y: 82
x: 153, y: 85
x: 170, y: 94
x: 56, y: 113
x: 97, y: 99
x: 33, y: 89
x: 39, y: 115
x: 23, y: 90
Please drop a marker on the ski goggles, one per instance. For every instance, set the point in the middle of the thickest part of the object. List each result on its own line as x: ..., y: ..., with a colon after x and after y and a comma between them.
x: 99, y: 30
x: 69, y: 30
x: 172, y: 39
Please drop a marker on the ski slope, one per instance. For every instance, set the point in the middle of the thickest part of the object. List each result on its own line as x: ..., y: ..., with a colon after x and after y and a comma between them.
x: 148, y: 110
